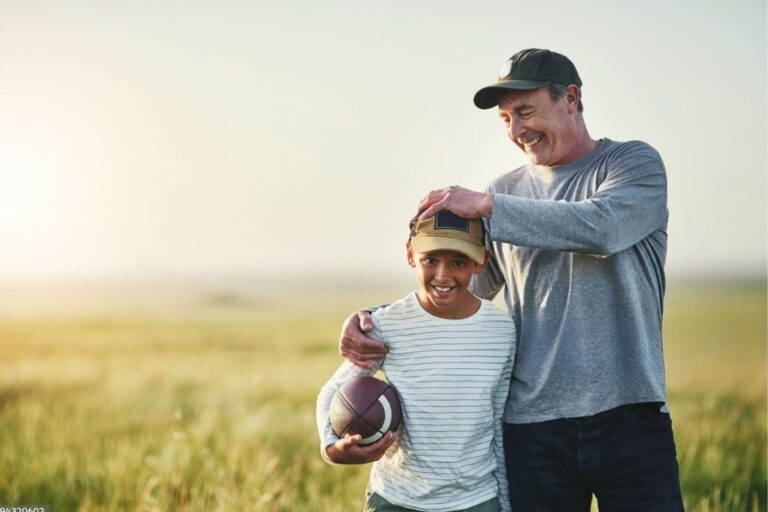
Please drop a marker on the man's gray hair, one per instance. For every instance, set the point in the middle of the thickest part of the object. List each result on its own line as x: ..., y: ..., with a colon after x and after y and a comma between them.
x: 556, y: 92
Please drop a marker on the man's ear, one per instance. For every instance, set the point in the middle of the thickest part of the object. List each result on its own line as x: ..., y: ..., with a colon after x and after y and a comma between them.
x: 479, y: 268
x: 572, y: 96
x: 409, y: 254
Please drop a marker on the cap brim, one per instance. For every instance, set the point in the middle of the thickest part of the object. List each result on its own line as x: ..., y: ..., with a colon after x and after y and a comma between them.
x: 488, y: 97
x: 423, y: 244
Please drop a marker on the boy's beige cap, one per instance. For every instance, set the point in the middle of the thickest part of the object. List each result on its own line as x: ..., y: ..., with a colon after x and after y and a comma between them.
x: 446, y: 231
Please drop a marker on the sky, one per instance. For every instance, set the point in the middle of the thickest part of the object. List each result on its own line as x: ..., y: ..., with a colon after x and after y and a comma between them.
x: 171, y: 138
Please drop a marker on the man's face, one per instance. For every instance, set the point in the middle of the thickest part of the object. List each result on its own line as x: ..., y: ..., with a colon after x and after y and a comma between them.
x: 542, y: 128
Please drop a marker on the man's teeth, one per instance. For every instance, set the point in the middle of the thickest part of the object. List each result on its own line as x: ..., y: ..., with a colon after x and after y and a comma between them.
x: 530, y: 143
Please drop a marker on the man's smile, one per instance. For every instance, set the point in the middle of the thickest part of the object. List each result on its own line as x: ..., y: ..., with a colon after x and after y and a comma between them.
x: 529, y: 143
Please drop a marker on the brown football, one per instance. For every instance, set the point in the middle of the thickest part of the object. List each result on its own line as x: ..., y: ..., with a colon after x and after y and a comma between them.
x: 366, y: 406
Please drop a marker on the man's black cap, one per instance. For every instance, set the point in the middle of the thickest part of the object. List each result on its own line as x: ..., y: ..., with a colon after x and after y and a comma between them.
x: 527, y: 70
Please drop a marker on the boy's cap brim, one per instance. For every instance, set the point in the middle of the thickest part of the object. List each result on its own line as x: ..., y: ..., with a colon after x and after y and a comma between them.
x: 422, y: 244
x: 488, y: 97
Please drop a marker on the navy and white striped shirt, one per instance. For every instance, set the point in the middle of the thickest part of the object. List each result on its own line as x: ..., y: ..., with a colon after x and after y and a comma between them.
x: 452, y: 376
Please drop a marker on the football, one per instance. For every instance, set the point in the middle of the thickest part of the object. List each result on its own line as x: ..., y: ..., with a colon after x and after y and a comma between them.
x: 366, y: 406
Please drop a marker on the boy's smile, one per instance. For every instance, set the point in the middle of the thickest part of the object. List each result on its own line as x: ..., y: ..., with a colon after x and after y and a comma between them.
x: 444, y: 278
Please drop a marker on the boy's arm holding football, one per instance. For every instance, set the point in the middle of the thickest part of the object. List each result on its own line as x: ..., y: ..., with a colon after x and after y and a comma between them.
x: 346, y: 450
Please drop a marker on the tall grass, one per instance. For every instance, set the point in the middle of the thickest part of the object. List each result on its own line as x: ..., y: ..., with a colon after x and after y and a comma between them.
x: 217, y: 414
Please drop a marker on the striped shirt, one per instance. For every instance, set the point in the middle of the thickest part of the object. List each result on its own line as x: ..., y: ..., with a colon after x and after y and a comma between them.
x: 452, y: 376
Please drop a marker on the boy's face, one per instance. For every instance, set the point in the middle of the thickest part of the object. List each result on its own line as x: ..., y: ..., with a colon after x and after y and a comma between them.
x: 444, y: 277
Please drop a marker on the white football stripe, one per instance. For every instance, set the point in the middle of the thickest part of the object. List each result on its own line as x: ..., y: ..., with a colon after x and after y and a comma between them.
x: 385, y: 424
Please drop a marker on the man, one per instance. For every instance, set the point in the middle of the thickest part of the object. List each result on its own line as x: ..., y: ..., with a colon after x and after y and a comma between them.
x: 578, y: 237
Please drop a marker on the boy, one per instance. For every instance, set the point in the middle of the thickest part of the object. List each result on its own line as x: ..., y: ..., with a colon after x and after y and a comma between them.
x: 448, y: 454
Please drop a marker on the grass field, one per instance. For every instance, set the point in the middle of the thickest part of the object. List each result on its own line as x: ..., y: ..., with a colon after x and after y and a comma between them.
x: 214, y: 411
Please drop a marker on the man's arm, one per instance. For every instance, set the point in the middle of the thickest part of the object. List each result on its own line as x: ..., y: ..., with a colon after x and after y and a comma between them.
x: 628, y: 206
x: 355, y: 346
x: 490, y: 281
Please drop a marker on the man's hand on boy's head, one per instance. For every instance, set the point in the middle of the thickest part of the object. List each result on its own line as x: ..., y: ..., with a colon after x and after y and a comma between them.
x: 355, y: 346
x: 459, y: 200
x: 347, y: 450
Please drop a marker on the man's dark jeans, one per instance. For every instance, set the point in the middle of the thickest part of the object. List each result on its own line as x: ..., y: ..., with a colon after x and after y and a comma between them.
x: 624, y: 456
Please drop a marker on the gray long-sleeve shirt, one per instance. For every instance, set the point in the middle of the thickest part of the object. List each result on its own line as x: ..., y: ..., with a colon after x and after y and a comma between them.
x: 581, y: 250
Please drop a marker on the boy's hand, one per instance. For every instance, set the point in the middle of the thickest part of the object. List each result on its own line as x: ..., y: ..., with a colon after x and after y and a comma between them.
x: 348, y: 451
x: 355, y: 346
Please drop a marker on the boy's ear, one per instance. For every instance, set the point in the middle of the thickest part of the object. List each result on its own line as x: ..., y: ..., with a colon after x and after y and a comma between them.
x: 479, y: 268
x: 409, y: 254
